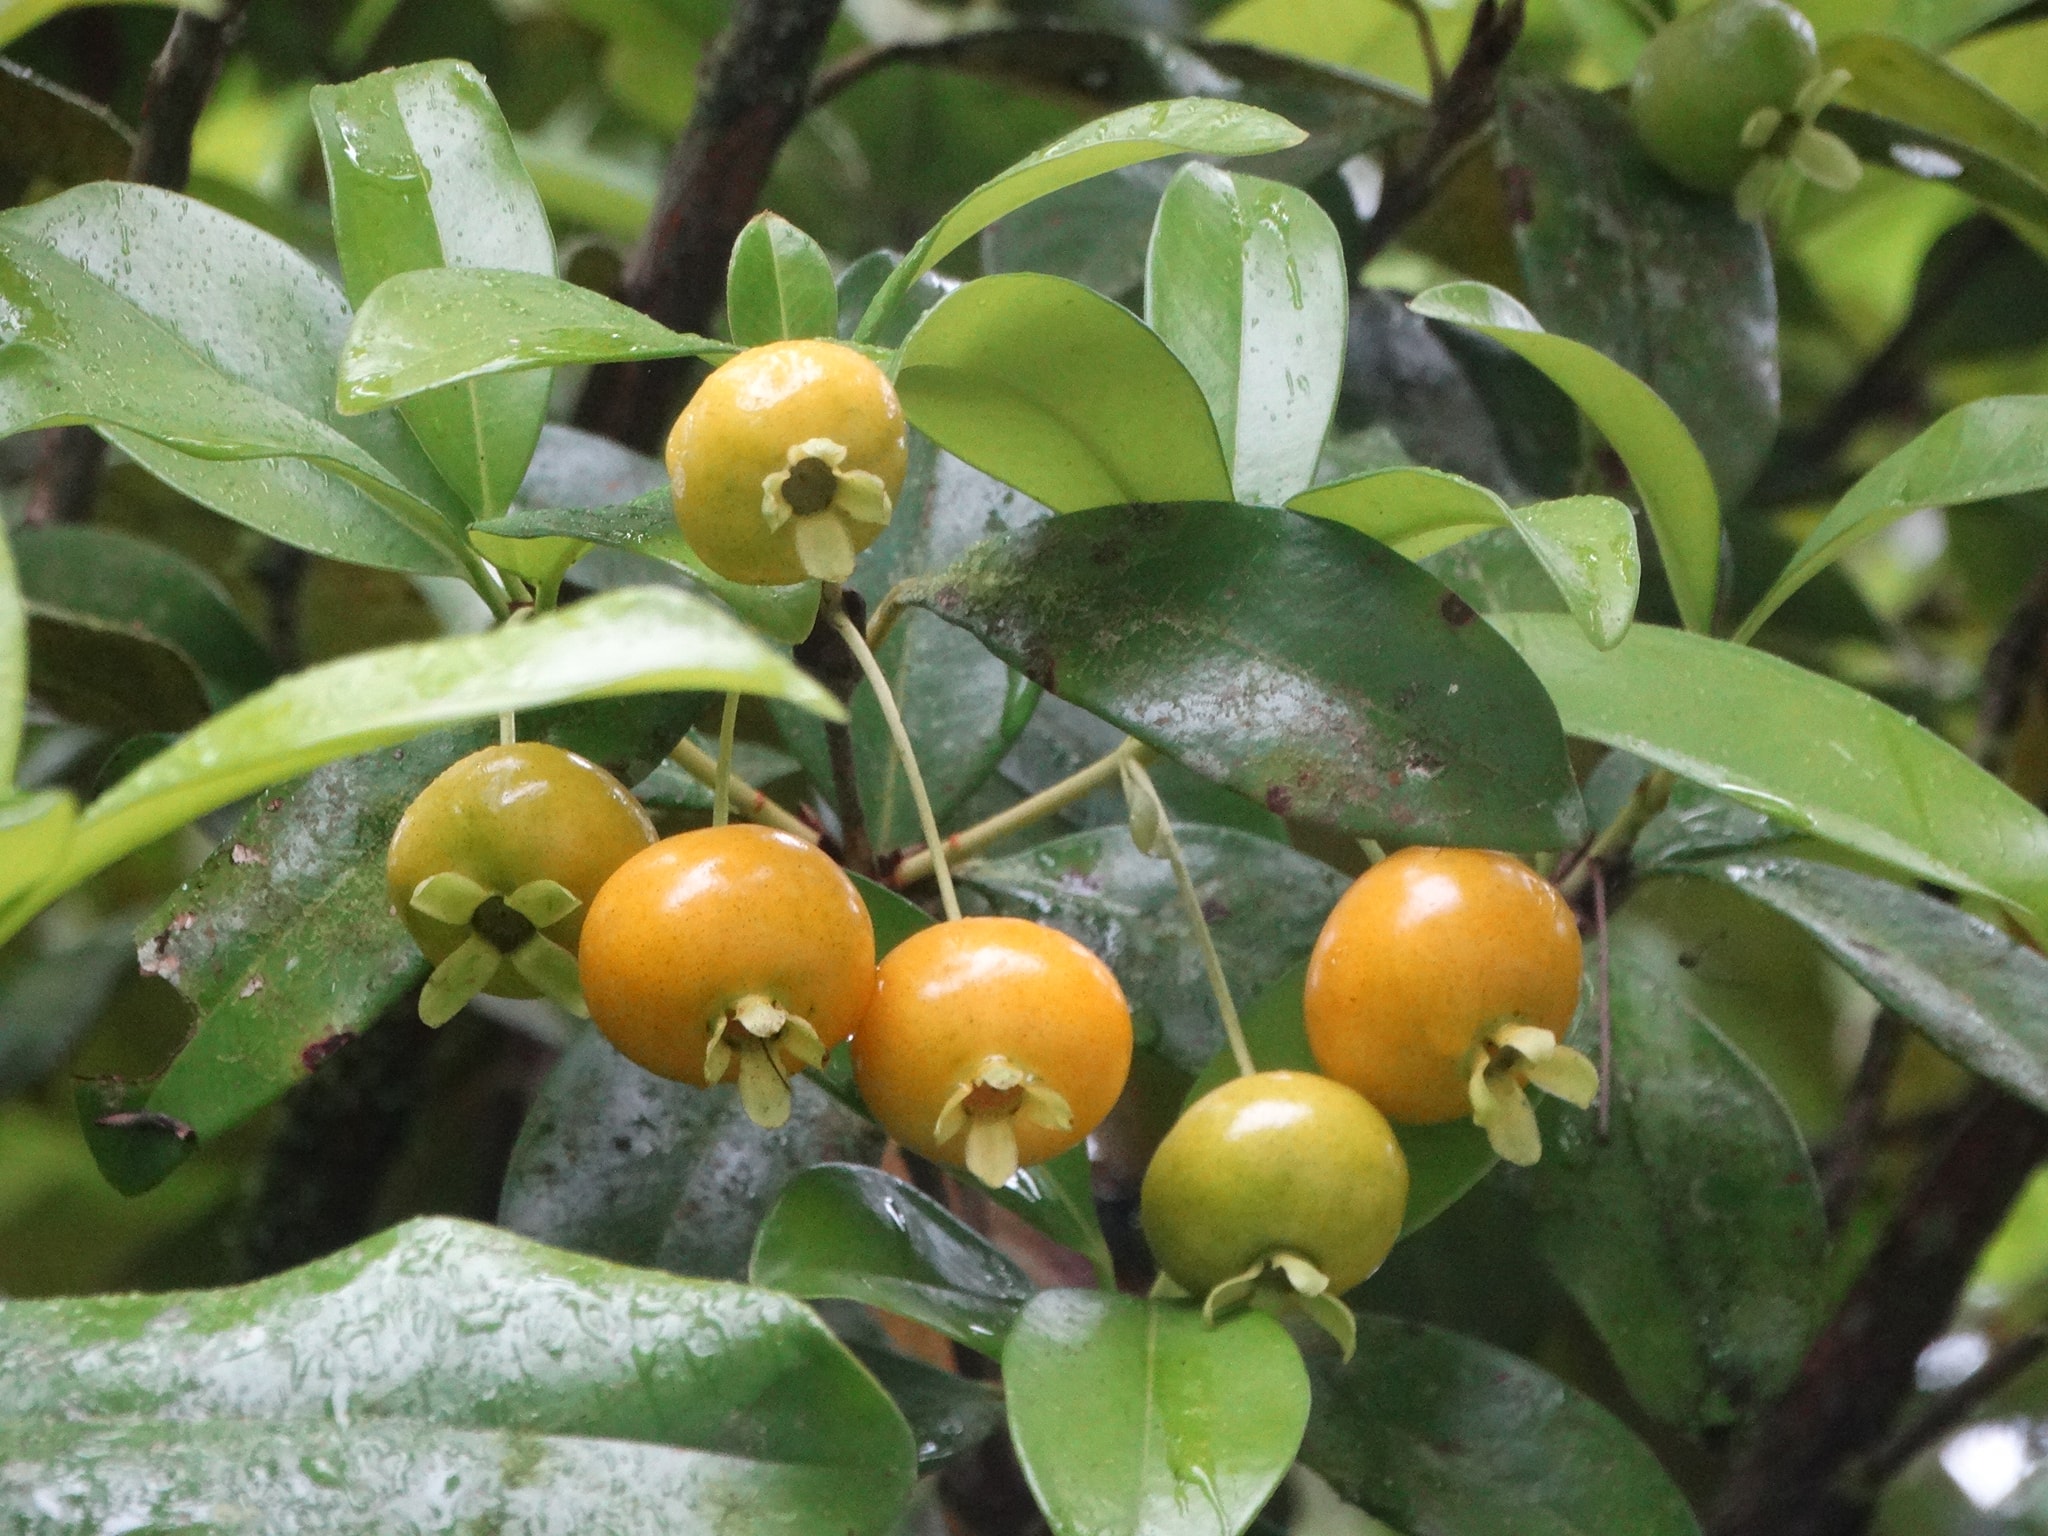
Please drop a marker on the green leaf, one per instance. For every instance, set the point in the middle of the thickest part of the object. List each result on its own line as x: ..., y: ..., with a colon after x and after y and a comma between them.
x: 1665, y: 463
x: 1306, y: 666
x: 1432, y: 1432
x: 1979, y: 996
x: 205, y: 349
x: 1135, y: 1417
x: 948, y: 1414
x: 1265, y: 904
x: 528, y: 1384
x: 779, y: 285
x: 1854, y: 772
x: 647, y: 526
x: 895, y: 918
x: 1189, y: 125
x: 1674, y: 287
x: 13, y: 662
x: 1444, y: 1161
x: 106, y: 597
x: 617, y: 1162
x: 637, y: 640
x: 857, y: 1234
x: 422, y: 174
x: 1692, y: 1237
x: 1058, y: 1198
x: 1245, y: 280
x: 1062, y: 393
x: 1895, y: 85
x: 51, y: 135
x: 433, y: 329
x: 1585, y: 544
x: 18, y: 17
x: 35, y: 833
x: 1977, y: 452
x: 48, y: 1003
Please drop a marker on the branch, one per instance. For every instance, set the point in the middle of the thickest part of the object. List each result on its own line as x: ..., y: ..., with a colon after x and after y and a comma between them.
x: 1842, y: 1169
x: 751, y: 93
x: 1952, y: 1407
x: 1463, y: 109
x: 180, y: 83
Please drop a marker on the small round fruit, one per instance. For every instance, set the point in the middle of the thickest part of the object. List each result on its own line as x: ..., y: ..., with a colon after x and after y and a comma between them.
x: 1280, y: 1163
x: 1699, y: 81
x: 1441, y: 983
x: 510, y: 844
x: 992, y: 1043
x: 787, y: 461
x: 729, y: 954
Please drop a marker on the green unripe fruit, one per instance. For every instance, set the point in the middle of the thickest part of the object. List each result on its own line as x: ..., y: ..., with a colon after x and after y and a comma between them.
x: 1703, y: 77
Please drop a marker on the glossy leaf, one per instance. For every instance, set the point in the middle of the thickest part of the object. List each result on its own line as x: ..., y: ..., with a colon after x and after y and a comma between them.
x: 779, y: 285
x: 1136, y: 1418
x: 1856, y: 772
x: 1899, y: 85
x: 948, y: 1414
x: 1585, y: 544
x: 530, y: 1385
x: 108, y: 586
x: 1058, y: 1198
x: 1435, y: 1433
x: 1306, y: 666
x: 1692, y: 1237
x: 205, y: 349
x: 1674, y: 287
x: 1245, y: 281
x: 13, y: 662
x: 617, y: 1162
x: 1264, y: 904
x: 422, y: 173
x: 1977, y: 452
x: 52, y: 135
x: 858, y: 1234
x: 1062, y: 393
x: 639, y: 640
x: 1662, y: 459
x: 1186, y: 126
x: 432, y: 329
x: 647, y: 526
x: 1444, y: 1161
x: 1965, y: 984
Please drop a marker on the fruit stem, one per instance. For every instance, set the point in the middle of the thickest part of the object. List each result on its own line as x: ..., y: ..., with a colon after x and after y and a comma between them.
x: 508, y: 728
x: 1028, y: 812
x: 721, y: 779
x: 1169, y: 845
x: 857, y: 643
x: 1619, y: 834
x: 755, y: 806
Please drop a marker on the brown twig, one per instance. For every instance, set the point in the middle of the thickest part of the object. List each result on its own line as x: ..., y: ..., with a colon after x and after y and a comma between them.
x: 751, y: 92
x: 1848, y: 1157
x: 1462, y: 110
x: 1951, y: 1408
x: 181, y: 81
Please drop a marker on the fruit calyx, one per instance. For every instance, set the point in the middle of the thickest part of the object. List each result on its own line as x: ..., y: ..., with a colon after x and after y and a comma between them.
x: 503, y: 929
x: 747, y: 1043
x: 823, y: 498
x: 1512, y: 1057
x: 1284, y: 1281
x: 1790, y: 146
x: 986, y: 1107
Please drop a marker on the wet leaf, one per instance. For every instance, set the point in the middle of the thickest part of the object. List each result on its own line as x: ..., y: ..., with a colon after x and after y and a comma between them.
x: 779, y: 285
x: 857, y: 1234
x: 1436, y: 1434
x: 1306, y: 666
x: 948, y: 1414
x: 1133, y: 1416
x: 1058, y: 1198
x: 1693, y: 1237
x: 1245, y: 281
x: 1264, y: 904
x: 1672, y: 286
x: 1856, y: 772
x: 1060, y: 392
x: 13, y: 663
x: 1669, y: 473
x: 533, y: 1387
x: 422, y: 174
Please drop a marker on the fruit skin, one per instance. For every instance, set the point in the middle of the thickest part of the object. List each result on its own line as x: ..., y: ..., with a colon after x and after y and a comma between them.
x: 1280, y: 1161
x: 738, y: 429
x: 688, y: 927
x: 1426, y: 952
x: 1698, y: 81
x: 952, y: 995
x: 507, y: 815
